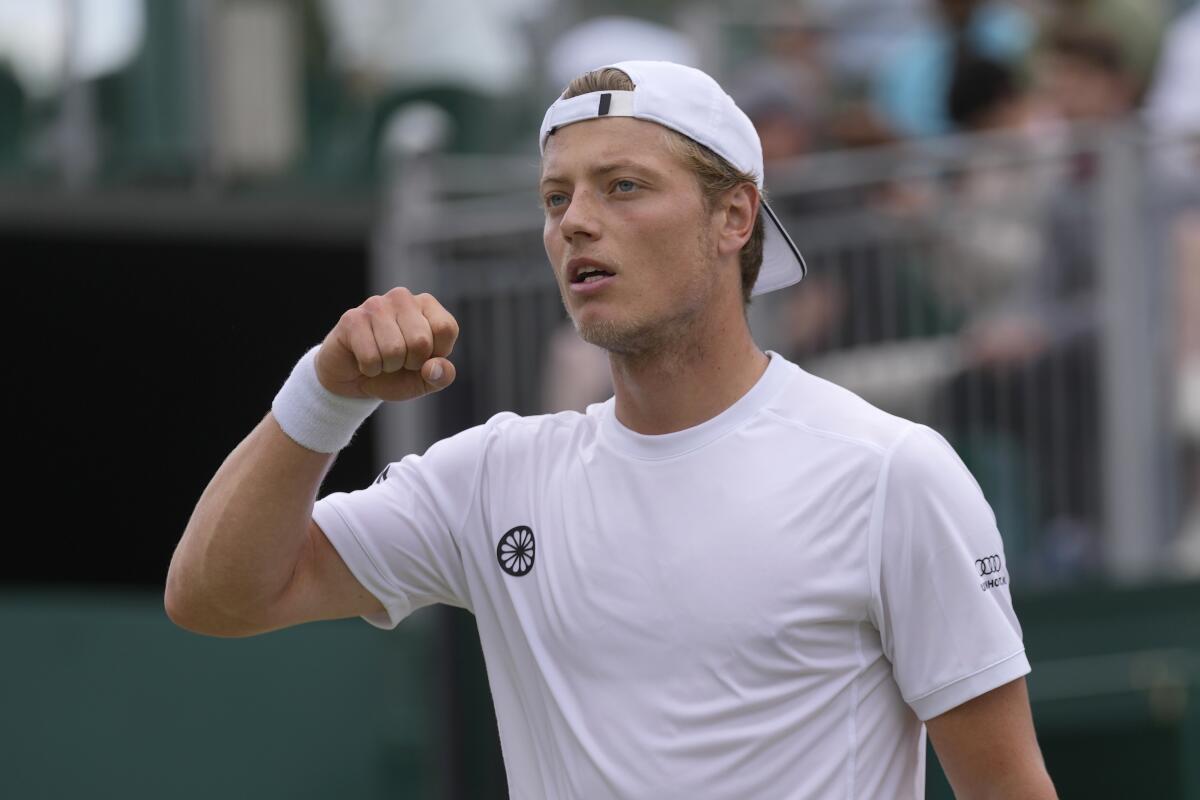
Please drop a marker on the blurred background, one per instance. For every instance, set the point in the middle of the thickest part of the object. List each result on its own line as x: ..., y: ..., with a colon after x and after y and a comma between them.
x: 999, y: 202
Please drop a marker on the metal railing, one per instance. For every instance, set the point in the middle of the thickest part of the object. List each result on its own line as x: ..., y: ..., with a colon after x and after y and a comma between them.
x: 1013, y: 293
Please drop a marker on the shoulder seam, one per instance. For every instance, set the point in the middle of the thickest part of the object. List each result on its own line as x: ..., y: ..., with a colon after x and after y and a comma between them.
x: 833, y: 434
x: 535, y: 419
x: 875, y: 525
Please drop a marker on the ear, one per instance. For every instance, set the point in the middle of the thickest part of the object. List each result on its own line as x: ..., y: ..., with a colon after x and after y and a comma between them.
x: 735, y: 218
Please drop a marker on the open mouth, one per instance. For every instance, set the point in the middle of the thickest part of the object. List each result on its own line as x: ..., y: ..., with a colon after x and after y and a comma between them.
x: 590, y: 275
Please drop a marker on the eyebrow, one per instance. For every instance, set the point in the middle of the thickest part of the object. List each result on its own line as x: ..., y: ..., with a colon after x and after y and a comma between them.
x: 604, y: 169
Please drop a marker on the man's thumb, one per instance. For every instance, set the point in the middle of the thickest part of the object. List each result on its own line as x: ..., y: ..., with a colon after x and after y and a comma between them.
x: 438, y: 372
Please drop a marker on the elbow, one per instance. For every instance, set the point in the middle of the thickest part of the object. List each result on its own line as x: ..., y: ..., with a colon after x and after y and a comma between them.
x: 192, y: 613
x: 183, y: 596
x: 178, y: 609
x: 182, y: 610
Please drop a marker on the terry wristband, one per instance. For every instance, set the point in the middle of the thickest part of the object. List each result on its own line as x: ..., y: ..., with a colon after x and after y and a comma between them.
x: 313, y: 416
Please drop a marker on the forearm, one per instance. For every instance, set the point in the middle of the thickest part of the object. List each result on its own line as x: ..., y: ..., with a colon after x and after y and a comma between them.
x: 1035, y: 784
x: 246, y: 534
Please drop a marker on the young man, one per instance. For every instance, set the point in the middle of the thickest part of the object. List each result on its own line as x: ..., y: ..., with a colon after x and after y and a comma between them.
x: 732, y: 580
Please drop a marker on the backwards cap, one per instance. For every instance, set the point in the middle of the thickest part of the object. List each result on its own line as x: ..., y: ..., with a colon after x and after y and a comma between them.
x: 690, y: 102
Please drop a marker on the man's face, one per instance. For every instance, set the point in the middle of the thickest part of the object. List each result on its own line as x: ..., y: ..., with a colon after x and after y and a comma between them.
x: 621, y: 206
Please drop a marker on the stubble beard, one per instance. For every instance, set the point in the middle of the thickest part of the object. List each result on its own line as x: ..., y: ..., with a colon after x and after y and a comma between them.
x: 634, y: 338
x: 676, y: 333
x: 653, y: 337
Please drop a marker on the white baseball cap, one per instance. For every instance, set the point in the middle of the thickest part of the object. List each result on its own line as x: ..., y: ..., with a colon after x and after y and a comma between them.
x: 690, y: 102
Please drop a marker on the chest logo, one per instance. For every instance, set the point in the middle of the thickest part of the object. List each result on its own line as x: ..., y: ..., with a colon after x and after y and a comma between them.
x: 516, y: 550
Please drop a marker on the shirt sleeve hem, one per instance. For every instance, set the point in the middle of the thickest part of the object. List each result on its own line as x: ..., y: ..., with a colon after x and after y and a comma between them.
x: 396, y: 605
x: 960, y: 691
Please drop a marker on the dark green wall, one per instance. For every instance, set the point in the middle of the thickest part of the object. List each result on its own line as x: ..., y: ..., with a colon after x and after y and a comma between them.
x: 1115, y: 690
x: 101, y: 696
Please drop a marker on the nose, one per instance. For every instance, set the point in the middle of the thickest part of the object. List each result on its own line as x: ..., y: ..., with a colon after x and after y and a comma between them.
x: 580, y: 218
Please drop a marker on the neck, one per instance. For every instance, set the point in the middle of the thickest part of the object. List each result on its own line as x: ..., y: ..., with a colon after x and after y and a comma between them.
x: 688, y: 380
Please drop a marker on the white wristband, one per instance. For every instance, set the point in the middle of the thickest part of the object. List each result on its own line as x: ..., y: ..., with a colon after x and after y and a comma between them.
x: 312, y: 415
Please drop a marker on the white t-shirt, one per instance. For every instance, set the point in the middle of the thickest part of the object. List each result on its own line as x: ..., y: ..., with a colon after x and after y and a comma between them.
x: 765, y: 605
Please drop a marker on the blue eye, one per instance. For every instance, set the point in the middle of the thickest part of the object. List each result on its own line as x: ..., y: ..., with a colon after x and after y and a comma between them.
x: 555, y: 200
x: 625, y: 186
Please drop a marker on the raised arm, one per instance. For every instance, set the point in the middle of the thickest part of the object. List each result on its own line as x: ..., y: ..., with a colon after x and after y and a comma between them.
x: 251, y: 559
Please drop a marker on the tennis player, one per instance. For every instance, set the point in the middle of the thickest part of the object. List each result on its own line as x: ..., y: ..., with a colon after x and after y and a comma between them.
x: 731, y: 580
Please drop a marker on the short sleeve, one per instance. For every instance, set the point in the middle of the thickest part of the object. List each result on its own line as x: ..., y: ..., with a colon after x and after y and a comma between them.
x: 399, y: 536
x: 942, y: 603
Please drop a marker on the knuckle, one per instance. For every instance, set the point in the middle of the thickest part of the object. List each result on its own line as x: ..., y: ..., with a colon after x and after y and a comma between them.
x: 394, y: 356
x: 400, y: 293
x: 420, y: 343
x: 358, y: 320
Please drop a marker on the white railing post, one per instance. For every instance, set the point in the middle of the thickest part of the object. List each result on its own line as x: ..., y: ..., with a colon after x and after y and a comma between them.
x: 1131, y: 378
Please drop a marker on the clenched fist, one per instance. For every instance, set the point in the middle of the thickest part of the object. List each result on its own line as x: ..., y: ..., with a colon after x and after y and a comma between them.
x: 392, y: 347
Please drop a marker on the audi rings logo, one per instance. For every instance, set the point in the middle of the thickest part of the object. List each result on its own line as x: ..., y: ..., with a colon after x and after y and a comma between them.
x: 515, y: 551
x: 988, y: 565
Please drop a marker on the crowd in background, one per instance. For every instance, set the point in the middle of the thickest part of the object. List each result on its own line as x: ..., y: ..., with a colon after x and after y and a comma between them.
x: 813, y: 74
x: 999, y: 333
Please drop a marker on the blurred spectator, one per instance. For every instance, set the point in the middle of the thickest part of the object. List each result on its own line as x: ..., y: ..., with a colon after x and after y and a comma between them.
x: 1173, y: 102
x: 985, y: 95
x: 1135, y: 27
x: 1173, y: 114
x: 600, y: 41
x: 1086, y: 81
x: 986, y: 213
x: 863, y: 33
x: 1085, y: 75
x: 910, y: 88
x: 1186, y: 291
x: 1033, y: 364
x: 990, y: 225
x: 1187, y: 316
x: 786, y: 90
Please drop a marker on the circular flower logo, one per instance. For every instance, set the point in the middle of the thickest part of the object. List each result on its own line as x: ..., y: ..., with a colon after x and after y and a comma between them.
x: 515, y: 551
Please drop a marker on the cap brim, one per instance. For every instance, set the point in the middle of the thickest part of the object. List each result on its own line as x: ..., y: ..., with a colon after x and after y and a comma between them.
x: 782, y: 263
